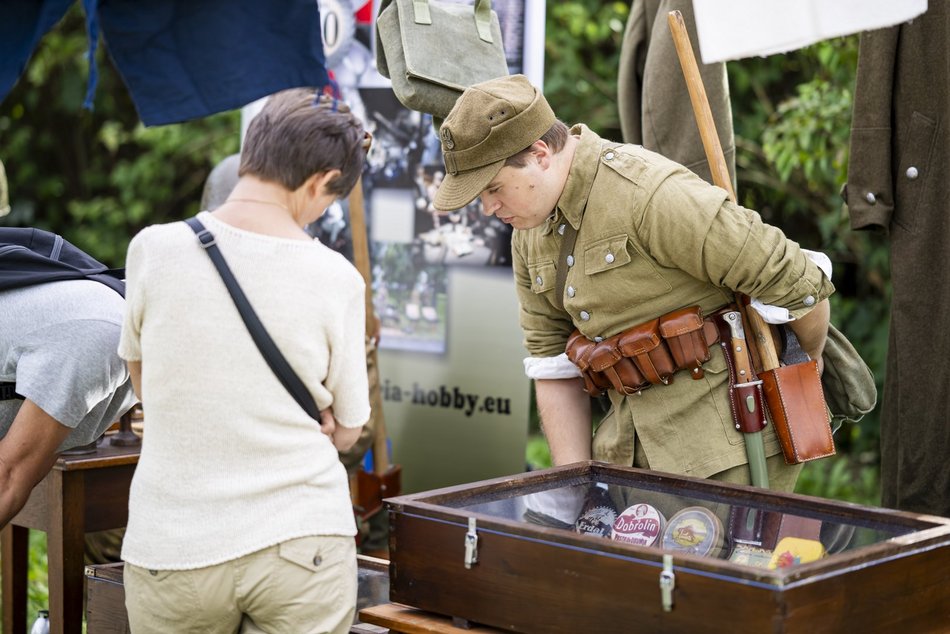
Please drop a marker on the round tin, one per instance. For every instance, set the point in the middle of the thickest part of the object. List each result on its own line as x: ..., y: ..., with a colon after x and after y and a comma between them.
x: 640, y: 524
x: 694, y: 530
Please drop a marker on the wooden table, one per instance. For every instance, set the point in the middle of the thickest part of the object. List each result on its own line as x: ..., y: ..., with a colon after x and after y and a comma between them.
x: 82, y: 493
x: 403, y: 619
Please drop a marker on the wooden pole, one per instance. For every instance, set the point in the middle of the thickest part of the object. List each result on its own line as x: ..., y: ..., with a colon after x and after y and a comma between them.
x: 768, y: 358
x: 361, y: 261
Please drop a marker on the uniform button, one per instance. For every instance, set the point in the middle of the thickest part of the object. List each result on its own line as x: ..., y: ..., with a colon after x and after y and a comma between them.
x: 912, y: 172
x: 561, y: 229
x: 317, y: 560
x: 538, y: 280
x: 610, y: 258
x: 870, y: 197
x: 808, y: 301
x: 585, y: 315
x: 570, y: 291
x: 570, y: 260
x: 598, y: 339
x: 609, y: 156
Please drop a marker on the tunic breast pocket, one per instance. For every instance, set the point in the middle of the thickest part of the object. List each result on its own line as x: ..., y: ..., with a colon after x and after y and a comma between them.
x: 543, y: 276
x: 617, y: 267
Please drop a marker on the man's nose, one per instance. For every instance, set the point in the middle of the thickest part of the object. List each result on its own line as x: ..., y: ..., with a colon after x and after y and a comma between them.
x: 490, y: 205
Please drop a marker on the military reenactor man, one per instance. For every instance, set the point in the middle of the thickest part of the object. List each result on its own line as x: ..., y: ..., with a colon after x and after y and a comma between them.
x: 610, y: 240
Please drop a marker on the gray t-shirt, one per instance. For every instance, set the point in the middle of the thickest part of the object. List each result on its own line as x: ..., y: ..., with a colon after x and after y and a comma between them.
x: 58, y: 344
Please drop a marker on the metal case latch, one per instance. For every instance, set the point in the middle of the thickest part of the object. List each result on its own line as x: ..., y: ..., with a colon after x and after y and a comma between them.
x: 471, y: 544
x: 667, y: 583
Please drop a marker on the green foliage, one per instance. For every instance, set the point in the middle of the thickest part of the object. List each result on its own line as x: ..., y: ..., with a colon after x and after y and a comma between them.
x: 582, y: 53
x: 537, y: 454
x: 793, y: 118
x: 98, y: 177
x: 847, y: 477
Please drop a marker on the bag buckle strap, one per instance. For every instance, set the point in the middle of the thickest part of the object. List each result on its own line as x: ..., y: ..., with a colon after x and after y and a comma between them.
x: 206, y: 239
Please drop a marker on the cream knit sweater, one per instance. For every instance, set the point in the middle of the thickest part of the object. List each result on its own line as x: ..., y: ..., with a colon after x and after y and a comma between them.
x: 230, y: 462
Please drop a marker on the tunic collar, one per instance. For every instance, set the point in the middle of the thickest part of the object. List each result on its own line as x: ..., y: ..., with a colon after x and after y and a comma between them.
x: 580, y: 178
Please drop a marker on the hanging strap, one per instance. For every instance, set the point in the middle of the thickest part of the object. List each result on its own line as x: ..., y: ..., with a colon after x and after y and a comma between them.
x: 272, y: 355
x: 482, y: 13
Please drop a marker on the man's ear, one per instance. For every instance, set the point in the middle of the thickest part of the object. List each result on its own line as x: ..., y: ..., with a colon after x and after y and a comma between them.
x: 316, y: 185
x: 542, y: 153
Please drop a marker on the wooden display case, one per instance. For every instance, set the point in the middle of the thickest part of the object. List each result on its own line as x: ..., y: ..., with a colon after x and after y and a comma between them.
x: 505, y: 553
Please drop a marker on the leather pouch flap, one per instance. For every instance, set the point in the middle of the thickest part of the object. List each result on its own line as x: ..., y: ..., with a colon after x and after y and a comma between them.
x: 604, y: 355
x: 640, y: 340
x: 797, y: 406
x: 681, y: 322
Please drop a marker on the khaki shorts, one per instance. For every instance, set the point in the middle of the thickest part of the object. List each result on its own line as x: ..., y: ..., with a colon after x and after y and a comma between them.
x: 301, y: 585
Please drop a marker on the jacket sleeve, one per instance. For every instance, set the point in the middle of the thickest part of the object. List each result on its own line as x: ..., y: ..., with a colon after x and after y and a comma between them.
x: 729, y: 246
x: 545, y: 328
x: 869, y: 191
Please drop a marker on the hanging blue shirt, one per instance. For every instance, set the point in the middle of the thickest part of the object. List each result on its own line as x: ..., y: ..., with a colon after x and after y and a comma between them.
x: 182, y: 59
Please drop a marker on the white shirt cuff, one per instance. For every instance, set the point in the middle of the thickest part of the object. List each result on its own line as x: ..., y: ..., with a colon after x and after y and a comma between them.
x: 559, y: 367
x: 778, y: 315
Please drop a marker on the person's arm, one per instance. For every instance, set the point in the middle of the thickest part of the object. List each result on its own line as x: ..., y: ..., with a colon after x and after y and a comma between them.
x: 135, y: 373
x: 564, y: 407
x: 27, y: 453
x: 342, y: 437
x: 812, y: 330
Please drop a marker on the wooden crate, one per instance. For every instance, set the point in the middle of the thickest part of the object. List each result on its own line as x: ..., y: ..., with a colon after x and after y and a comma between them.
x: 885, y: 571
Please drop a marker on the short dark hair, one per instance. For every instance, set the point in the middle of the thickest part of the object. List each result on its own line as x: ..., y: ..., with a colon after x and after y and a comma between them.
x: 294, y: 137
x: 555, y: 138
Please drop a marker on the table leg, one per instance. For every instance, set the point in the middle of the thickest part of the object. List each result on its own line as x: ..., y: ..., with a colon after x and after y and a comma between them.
x: 14, y: 545
x: 65, y: 551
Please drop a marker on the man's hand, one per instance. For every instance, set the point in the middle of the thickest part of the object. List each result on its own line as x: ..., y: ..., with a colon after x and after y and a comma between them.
x: 812, y: 331
x: 564, y: 407
x: 27, y: 453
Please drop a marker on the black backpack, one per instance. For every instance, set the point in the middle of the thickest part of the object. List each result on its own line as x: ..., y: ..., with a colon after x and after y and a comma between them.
x: 30, y: 256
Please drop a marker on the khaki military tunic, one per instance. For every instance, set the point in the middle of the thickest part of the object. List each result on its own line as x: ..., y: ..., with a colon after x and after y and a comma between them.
x: 655, y: 238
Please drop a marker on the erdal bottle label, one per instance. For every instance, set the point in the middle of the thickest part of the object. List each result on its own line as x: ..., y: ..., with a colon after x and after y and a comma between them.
x: 598, y: 515
x: 640, y: 524
x: 598, y: 520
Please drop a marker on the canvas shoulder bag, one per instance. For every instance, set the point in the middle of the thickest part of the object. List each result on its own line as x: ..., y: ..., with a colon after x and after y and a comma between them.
x: 432, y: 51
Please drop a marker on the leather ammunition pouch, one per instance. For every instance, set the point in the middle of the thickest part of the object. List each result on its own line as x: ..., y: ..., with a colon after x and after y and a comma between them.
x: 646, y: 354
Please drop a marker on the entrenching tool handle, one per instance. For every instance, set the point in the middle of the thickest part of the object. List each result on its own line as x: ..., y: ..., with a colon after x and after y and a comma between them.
x: 768, y: 359
x: 720, y: 173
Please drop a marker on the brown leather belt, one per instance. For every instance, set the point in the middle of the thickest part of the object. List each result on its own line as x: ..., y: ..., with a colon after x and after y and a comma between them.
x: 646, y: 354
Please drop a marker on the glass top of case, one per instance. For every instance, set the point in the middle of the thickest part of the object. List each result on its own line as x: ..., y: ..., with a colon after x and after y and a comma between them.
x: 688, y: 522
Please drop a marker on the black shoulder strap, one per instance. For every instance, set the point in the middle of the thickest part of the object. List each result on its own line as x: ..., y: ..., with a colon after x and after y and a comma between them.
x: 265, y: 344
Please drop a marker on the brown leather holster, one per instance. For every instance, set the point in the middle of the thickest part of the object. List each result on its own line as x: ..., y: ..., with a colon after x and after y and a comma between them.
x: 646, y: 354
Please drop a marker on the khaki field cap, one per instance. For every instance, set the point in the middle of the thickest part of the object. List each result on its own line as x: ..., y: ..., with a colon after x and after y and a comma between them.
x: 491, y: 122
x: 4, y: 192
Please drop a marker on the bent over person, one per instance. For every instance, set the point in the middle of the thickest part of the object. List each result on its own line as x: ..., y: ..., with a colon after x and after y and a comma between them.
x: 61, y: 382
x: 610, y: 240
x: 239, y: 513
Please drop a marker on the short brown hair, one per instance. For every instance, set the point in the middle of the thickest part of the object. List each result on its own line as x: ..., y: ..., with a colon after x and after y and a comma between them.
x: 294, y: 137
x: 555, y: 138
